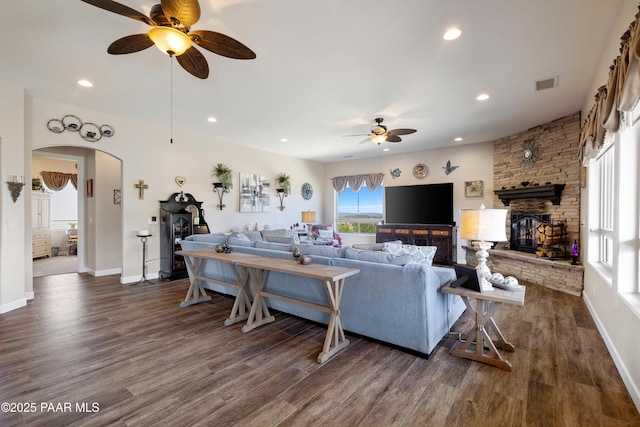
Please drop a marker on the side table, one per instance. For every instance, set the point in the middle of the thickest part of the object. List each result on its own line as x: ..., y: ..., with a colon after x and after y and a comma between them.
x: 477, y: 339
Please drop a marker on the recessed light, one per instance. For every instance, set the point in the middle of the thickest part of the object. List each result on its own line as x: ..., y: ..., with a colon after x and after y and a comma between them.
x: 482, y: 97
x: 284, y: 140
x: 385, y: 149
x: 458, y: 139
x: 212, y: 119
x: 452, y: 34
x: 85, y: 83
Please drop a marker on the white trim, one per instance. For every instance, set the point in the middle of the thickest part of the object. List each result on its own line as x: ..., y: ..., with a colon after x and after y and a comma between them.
x: 134, y: 279
x: 632, y: 387
x: 29, y: 295
x: 20, y: 302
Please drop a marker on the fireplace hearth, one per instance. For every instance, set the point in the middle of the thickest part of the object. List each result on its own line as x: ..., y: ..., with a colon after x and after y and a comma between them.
x: 523, y: 231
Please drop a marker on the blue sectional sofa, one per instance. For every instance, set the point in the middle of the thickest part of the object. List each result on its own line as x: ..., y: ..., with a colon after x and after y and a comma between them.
x: 392, y: 299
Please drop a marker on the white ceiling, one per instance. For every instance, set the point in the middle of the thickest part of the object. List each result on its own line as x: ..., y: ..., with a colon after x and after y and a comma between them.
x: 324, y: 69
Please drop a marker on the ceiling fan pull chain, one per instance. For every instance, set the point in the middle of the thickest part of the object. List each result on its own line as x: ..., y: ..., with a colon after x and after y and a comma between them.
x: 171, y: 96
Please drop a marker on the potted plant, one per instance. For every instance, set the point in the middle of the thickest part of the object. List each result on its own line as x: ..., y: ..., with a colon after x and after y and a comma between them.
x: 223, y: 173
x: 36, y: 184
x: 284, y: 182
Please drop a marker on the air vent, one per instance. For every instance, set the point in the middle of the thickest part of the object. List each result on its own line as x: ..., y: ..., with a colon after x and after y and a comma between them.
x: 546, y: 84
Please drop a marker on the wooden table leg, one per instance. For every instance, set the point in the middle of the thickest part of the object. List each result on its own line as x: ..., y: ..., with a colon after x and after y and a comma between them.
x: 483, y: 316
x: 196, y: 293
x: 242, y: 304
x: 259, y: 313
x: 335, y: 339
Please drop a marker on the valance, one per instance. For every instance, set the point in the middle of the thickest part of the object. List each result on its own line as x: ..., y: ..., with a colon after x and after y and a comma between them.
x: 619, y: 95
x: 355, y: 182
x: 56, y: 181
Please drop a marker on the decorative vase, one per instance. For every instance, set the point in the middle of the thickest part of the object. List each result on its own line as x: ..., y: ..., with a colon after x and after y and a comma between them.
x: 305, y: 259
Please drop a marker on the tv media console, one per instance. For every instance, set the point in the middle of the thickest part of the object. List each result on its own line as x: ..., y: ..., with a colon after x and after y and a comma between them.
x: 441, y: 236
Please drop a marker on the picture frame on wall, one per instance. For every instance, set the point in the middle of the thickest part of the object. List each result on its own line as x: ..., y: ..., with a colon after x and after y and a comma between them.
x: 474, y: 188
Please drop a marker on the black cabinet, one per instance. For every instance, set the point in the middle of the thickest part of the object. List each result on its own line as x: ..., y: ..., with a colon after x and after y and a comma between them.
x: 442, y: 237
x: 180, y: 216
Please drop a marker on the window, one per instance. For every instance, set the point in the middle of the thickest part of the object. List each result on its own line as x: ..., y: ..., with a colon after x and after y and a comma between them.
x: 604, y: 174
x: 359, y: 212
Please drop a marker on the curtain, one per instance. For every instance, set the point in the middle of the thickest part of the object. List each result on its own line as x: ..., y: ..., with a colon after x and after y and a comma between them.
x: 56, y: 181
x: 619, y: 95
x: 356, y: 182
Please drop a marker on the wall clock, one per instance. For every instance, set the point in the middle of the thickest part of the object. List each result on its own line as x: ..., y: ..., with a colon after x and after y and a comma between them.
x: 420, y: 170
x: 307, y: 191
x: 530, y: 153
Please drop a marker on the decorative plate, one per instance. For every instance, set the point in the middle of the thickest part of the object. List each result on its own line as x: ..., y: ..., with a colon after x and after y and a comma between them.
x: 420, y: 170
x: 307, y: 191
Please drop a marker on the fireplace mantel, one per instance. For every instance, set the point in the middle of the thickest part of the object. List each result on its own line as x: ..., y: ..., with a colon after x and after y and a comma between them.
x: 551, y: 192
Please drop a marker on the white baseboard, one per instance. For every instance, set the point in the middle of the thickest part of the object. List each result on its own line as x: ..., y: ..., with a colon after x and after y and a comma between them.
x: 99, y: 273
x: 134, y: 279
x: 29, y: 295
x: 5, y: 308
x: 632, y: 387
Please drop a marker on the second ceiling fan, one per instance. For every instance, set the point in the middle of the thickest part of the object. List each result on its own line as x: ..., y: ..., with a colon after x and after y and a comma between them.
x: 171, y: 22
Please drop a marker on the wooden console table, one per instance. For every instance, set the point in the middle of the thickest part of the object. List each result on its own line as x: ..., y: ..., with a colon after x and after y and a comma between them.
x: 478, y: 337
x: 196, y: 292
x: 333, y: 279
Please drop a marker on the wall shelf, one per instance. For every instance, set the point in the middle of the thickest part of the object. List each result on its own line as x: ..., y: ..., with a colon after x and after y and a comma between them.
x: 551, y: 192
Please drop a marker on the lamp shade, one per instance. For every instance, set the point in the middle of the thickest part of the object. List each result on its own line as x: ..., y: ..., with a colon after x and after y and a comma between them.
x: 483, y: 224
x: 308, y: 216
x: 170, y: 40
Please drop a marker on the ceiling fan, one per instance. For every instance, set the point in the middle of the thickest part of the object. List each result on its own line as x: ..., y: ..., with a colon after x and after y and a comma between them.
x: 380, y: 134
x: 171, y: 22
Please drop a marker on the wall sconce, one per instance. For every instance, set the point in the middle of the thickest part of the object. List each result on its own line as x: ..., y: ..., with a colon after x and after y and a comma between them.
x: 218, y: 188
x: 281, y: 196
x: 15, y: 186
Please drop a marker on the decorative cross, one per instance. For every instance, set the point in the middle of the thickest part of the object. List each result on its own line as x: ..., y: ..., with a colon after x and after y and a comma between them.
x: 141, y: 186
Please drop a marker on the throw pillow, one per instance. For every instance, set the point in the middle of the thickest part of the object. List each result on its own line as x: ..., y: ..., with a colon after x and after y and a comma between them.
x: 241, y: 236
x: 379, y: 257
x: 368, y: 246
x: 325, y: 234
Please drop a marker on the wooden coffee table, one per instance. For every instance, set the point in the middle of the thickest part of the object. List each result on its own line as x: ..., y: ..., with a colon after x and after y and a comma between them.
x: 196, y: 292
x: 477, y: 339
x: 333, y: 279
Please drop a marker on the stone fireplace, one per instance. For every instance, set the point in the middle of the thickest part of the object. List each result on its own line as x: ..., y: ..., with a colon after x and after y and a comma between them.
x: 547, y: 189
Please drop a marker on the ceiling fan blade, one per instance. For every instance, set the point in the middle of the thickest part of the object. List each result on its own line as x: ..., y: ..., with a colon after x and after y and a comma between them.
x: 364, y: 141
x: 401, y: 131
x: 357, y: 134
x: 221, y: 44
x: 120, y: 9
x: 130, y: 44
x: 185, y: 12
x: 194, y: 63
x: 393, y: 138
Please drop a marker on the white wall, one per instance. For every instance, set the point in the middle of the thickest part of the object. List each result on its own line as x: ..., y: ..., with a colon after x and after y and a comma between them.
x: 614, y: 313
x: 15, y: 287
x: 146, y: 154
x: 474, y: 161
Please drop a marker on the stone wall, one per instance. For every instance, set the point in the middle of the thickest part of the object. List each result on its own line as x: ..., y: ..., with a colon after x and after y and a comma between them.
x: 557, y: 163
x: 556, y: 144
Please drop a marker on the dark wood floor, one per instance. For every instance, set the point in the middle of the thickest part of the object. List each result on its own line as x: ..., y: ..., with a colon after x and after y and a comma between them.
x: 132, y: 356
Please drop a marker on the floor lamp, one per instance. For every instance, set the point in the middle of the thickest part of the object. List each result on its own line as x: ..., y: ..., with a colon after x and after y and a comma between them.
x: 483, y: 226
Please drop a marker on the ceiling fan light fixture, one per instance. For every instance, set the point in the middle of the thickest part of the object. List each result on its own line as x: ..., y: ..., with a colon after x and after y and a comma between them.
x: 379, y: 139
x: 169, y: 40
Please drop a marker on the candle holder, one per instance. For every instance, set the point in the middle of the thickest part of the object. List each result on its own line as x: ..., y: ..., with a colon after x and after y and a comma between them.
x: 15, y: 187
x: 574, y: 253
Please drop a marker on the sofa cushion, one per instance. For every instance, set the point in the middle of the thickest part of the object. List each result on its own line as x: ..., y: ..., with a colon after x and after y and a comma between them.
x: 277, y: 236
x: 379, y: 257
x: 368, y: 246
x: 321, y: 250
x: 284, y: 246
x: 217, y: 238
x: 238, y: 241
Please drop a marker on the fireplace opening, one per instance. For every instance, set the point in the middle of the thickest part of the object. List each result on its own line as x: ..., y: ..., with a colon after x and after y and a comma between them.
x: 523, y: 231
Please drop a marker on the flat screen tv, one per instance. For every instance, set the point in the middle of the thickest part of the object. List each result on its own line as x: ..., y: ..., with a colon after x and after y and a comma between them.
x: 419, y: 204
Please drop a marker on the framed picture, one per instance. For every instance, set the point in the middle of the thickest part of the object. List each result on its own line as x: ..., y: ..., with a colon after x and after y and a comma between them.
x: 117, y: 197
x: 254, y: 193
x: 473, y: 188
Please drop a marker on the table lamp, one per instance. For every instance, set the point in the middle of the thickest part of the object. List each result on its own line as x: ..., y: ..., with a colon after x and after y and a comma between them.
x: 483, y: 226
x: 309, y: 218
